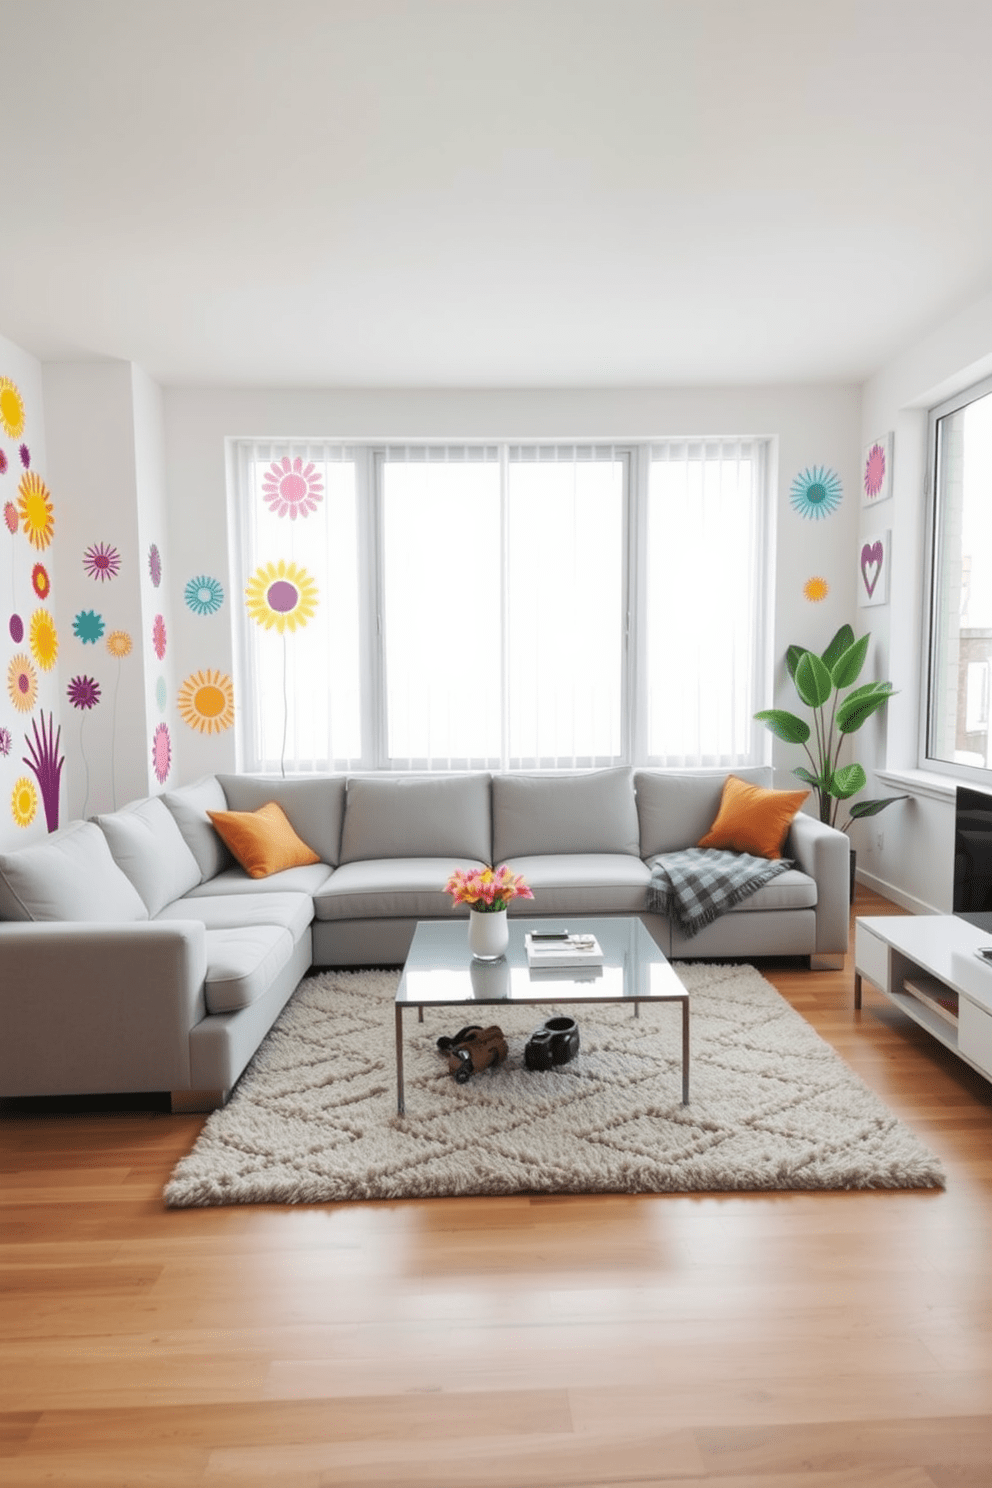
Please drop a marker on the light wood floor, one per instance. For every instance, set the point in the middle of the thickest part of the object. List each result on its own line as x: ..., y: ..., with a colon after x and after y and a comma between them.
x: 749, y: 1341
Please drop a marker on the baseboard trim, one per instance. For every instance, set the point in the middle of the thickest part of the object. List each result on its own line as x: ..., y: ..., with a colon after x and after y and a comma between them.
x: 897, y: 895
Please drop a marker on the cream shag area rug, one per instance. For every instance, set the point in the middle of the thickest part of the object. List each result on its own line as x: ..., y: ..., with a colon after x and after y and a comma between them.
x: 772, y: 1106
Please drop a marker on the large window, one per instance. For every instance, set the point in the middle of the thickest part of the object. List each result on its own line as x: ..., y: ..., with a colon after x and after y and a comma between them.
x: 499, y: 606
x: 959, y: 730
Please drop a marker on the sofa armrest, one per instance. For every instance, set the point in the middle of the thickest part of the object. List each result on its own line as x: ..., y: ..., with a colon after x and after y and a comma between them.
x: 88, y: 1008
x: 824, y: 853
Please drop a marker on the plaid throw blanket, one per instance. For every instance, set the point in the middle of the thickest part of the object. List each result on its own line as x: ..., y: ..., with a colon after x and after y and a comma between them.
x: 698, y: 885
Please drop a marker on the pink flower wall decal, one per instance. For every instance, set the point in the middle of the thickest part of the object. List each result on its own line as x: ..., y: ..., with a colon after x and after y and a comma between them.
x: 161, y: 753
x: 291, y: 488
x: 102, y: 561
x: 875, y: 470
x: 159, y: 637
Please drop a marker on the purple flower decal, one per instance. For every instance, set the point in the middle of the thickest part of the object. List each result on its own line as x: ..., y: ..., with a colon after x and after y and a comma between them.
x: 6, y: 742
x: 25, y: 455
x: 101, y: 561
x: 155, y: 564
x: 16, y: 629
x: 83, y: 692
x: 3, y: 463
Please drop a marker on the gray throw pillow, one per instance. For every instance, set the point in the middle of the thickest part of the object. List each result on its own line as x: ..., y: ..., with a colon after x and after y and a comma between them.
x: 148, y: 846
x: 69, y: 876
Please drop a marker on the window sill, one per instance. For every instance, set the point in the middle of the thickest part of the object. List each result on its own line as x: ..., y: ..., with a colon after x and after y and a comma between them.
x: 919, y: 783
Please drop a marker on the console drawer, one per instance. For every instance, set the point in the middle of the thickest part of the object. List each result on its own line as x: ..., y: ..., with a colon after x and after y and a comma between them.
x: 871, y: 957
x: 975, y: 1034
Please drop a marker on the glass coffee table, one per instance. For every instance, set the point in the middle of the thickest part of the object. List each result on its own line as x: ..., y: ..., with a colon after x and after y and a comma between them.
x: 441, y: 972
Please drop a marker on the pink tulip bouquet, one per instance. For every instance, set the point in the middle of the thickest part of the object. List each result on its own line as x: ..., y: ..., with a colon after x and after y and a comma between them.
x: 486, y: 890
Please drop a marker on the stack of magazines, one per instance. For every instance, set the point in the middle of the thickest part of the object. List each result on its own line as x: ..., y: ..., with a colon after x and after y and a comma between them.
x: 560, y: 948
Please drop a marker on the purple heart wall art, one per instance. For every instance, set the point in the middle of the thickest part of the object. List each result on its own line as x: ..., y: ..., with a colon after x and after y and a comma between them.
x: 873, y: 573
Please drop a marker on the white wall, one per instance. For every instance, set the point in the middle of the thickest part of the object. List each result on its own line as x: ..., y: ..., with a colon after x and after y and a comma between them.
x: 914, y: 864
x: 90, y: 415
x: 811, y: 425
x: 19, y: 600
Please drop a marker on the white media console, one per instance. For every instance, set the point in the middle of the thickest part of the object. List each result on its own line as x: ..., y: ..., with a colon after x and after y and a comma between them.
x: 927, y: 965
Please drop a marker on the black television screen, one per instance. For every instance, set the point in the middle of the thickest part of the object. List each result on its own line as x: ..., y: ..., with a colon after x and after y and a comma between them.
x: 973, y: 856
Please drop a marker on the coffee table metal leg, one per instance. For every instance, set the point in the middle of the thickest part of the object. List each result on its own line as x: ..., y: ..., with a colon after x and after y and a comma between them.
x: 685, y: 1051
x: 400, y: 1103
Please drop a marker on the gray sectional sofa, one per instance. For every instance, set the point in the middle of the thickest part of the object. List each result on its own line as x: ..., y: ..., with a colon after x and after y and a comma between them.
x: 136, y: 955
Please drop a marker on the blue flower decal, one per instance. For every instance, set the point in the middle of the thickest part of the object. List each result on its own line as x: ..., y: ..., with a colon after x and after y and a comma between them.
x: 88, y: 626
x: 816, y: 493
x: 204, y: 595
x: 160, y: 694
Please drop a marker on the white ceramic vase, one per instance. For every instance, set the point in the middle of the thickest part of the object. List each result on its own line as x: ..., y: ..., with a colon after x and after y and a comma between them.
x: 488, y: 934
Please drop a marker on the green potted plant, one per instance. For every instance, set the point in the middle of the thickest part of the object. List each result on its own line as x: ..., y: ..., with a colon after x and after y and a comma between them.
x: 819, y: 681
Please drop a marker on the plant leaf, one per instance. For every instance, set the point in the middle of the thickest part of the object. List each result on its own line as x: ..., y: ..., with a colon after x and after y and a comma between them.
x: 809, y: 777
x: 840, y: 643
x: 792, y: 659
x: 856, y: 709
x: 813, y: 681
x: 847, y: 781
x: 784, y: 725
x: 847, y: 668
x: 872, y: 808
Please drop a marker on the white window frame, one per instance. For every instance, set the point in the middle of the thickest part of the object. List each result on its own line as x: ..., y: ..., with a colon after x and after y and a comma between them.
x: 953, y: 770
x: 636, y: 456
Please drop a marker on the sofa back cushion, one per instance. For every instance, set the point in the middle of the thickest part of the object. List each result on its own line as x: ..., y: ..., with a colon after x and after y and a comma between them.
x: 314, y: 806
x: 588, y: 811
x: 417, y: 816
x: 71, y: 875
x: 678, y: 807
x: 189, y: 806
x: 149, y: 848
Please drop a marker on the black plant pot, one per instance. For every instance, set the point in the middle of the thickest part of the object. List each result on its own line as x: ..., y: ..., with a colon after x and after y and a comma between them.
x: 854, y: 867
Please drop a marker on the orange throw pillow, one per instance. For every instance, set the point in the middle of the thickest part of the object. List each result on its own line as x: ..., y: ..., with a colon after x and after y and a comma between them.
x: 262, y: 841
x: 752, y: 819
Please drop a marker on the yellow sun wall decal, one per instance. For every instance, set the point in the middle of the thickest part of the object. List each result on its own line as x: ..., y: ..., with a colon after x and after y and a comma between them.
x: 119, y: 643
x: 816, y: 589
x: 206, y: 702
x: 44, y: 640
x: 11, y: 409
x: 23, y: 802
x: 36, y: 512
x: 281, y: 596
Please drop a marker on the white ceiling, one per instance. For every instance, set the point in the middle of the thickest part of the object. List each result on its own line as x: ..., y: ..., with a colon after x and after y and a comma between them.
x: 431, y: 193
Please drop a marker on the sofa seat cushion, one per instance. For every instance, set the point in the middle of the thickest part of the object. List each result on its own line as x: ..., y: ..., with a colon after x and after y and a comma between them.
x: 308, y: 880
x: 790, y: 890
x: 389, y: 888
x: 148, y: 846
x: 242, y: 965
x: 70, y: 875
x: 582, y: 883
x: 292, y: 912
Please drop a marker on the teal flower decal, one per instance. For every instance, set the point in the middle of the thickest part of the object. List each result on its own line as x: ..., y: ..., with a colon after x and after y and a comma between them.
x: 88, y: 627
x: 204, y: 595
x: 816, y: 493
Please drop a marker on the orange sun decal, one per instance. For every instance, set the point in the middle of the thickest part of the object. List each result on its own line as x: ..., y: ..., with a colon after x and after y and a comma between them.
x: 206, y: 702
x: 816, y: 589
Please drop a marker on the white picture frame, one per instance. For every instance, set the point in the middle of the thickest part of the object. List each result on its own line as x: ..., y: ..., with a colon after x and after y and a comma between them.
x: 874, y: 563
x: 876, y: 471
